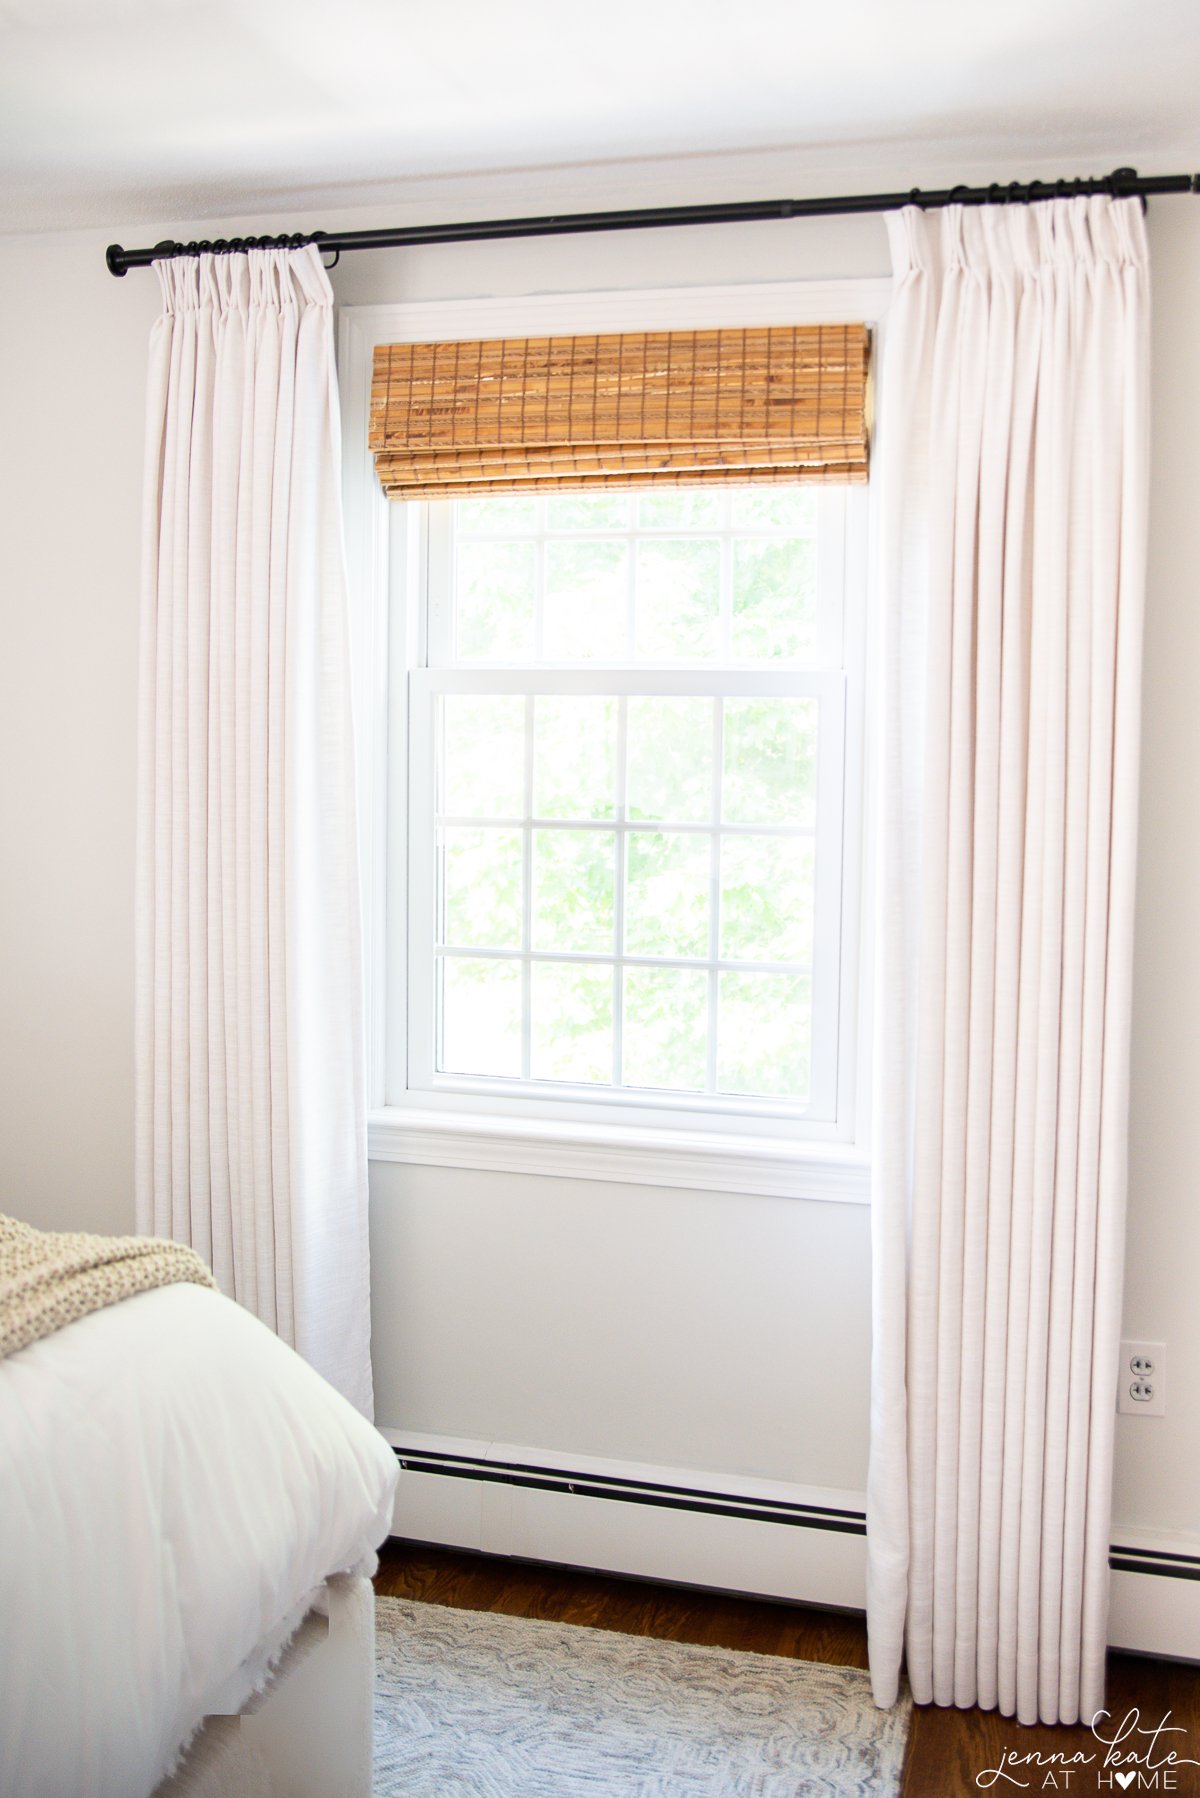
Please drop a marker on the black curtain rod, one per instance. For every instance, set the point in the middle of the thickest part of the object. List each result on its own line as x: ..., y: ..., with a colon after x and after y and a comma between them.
x: 1121, y: 184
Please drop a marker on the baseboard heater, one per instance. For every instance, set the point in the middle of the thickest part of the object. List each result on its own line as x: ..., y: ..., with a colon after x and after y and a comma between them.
x: 1154, y: 1604
x: 625, y: 1519
x: 693, y: 1499
x: 1154, y: 1561
x: 643, y: 1522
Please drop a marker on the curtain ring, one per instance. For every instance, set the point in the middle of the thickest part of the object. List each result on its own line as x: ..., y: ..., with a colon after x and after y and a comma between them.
x: 1118, y: 186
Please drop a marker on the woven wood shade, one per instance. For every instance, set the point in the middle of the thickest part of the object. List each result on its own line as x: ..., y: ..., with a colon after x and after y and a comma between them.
x: 674, y: 408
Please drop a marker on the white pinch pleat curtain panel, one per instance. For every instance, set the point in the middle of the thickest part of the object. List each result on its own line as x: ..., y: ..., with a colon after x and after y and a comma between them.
x: 250, y: 1059
x: 1012, y: 465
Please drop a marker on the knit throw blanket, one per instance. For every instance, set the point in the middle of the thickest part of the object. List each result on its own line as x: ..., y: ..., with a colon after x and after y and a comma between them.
x: 48, y: 1278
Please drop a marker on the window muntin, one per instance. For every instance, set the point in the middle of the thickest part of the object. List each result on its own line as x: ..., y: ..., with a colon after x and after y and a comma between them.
x: 627, y: 807
x: 665, y: 577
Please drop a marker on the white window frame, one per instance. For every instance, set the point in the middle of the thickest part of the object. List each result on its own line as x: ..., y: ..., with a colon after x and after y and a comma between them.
x: 667, y: 1145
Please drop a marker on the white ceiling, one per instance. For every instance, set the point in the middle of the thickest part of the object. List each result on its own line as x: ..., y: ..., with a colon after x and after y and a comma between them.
x: 116, y: 111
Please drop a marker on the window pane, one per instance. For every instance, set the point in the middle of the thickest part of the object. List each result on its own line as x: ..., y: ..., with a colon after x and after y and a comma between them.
x: 483, y: 756
x: 667, y: 894
x: 679, y: 509
x: 493, y: 605
x: 587, y: 511
x: 664, y: 1040
x: 481, y: 888
x: 774, y: 597
x: 574, y: 756
x: 770, y: 761
x: 513, y: 512
x: 779, y: 508
x: 709, y: 798
x: 481, y: 1017
x: 678, y: 598
x: 571, y: 1022
x: 670, y: 760
x: 587, y: 602
x: 766, y: 899
x: 763, y: 1035
x: 573, y: 890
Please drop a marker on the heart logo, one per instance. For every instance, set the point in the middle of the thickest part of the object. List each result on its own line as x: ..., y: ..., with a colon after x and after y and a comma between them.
x: 1125, y: 1780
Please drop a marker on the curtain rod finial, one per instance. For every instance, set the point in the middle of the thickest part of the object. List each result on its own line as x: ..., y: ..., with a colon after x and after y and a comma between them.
x: 114, y: 256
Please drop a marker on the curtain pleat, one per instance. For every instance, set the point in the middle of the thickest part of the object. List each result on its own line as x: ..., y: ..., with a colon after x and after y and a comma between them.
x: 1012, y: 463
x: 251, y: 1133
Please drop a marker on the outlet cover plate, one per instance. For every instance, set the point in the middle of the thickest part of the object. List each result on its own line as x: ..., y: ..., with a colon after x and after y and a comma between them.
x: 1143, y: 1364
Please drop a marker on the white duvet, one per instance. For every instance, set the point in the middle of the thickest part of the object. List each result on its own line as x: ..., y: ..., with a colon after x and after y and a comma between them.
x: 175, y: 1485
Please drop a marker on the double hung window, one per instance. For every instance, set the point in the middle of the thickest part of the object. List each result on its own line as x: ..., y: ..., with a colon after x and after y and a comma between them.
x: 613, y: 730
x: 633, y: 802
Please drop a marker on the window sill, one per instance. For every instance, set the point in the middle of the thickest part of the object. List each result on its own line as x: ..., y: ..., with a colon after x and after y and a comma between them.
x: 762, y: 1166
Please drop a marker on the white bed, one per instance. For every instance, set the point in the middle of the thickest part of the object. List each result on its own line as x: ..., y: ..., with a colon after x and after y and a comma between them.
x: 178, y: 1491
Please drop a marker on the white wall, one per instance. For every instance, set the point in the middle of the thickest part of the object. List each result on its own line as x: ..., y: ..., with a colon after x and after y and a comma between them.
x: 675, y: 1328
x: 70, y: 445
x: 723, y: 1333
x: 1158, y: 1464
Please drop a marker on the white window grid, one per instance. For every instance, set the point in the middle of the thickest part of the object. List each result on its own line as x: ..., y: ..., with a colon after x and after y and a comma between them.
x: 828, y: 651
x: 427, y: 950
x: 821, y: 678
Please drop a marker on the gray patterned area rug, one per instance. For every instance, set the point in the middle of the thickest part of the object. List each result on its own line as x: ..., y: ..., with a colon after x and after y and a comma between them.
x: 472, y: 1704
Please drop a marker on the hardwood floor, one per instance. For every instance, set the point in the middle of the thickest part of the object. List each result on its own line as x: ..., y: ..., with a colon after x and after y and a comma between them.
x: 946, y: 1749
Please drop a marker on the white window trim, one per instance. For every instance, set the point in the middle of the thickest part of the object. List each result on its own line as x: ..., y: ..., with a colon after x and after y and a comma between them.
x: 383, y: 555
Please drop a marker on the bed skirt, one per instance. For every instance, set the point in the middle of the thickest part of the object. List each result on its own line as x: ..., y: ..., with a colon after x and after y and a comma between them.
x: 307, y: 1734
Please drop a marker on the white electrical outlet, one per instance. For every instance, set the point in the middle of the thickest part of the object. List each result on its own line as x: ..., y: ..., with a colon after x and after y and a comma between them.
x: 1142, y: 1388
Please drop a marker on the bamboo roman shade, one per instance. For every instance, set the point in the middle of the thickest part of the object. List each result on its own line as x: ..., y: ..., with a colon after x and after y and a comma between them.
x: 680, y: 408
